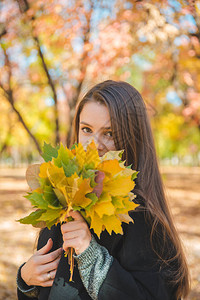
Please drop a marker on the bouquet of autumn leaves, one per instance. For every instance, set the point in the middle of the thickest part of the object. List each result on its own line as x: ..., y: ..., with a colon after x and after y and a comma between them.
x: 66, y: 181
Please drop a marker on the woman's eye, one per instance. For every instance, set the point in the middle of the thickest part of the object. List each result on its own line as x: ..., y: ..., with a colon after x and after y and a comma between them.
x: 109, y: 133
x: 86, y: 129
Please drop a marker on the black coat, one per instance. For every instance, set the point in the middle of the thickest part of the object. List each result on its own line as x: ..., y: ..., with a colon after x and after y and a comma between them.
x: 135, y: 273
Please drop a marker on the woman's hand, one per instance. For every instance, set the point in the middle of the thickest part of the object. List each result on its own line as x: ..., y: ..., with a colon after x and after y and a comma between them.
x: 76, y: 234
x: 41, y: 268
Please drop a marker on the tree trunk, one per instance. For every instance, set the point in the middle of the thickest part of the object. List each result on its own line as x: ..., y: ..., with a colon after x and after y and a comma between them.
x: 24, y: 6
x: 83, y: 69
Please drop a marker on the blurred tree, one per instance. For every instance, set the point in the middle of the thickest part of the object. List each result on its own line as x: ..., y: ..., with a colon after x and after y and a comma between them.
x: 9, y: 95
x: 56, y: 50
x: 168, y: 31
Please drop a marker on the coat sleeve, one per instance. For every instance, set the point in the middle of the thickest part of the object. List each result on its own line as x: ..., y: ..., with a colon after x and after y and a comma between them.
x: 22, y: 296
x: 133, y: 272
x: 25, y: 292
x: 136, y: 272
x: 135, y: 285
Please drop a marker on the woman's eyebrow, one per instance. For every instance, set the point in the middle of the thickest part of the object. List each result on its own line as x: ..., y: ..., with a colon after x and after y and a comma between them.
x: 91, y: 125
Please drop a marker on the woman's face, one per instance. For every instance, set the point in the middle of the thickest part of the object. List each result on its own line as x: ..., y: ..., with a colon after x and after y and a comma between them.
x: 95, y: 123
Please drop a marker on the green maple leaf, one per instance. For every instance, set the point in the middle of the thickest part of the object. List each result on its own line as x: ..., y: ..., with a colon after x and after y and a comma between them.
x: 93, y: 197
x: 89, y: 174
x: 32, y: 218
x: 60, y: 197
x: 49, y: 152
x: 63, y: 157
x: 129, y: 167
x: 49, y: 224
x: 134, y: 175
x: 37, y: 200
x: 70, y: 168
x: 50, y: 216
x: 51, y: 197
x: 43, y: 182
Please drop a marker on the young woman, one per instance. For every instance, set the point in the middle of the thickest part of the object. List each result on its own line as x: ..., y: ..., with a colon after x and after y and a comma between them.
x: 147, y: 261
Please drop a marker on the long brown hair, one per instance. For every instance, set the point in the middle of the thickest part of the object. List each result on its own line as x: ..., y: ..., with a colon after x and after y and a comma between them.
x: 132, y: 132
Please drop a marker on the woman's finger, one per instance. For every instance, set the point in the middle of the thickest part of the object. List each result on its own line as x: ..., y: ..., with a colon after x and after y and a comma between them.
x: 75, y: 215
x: 78, y: 243
x: 99, y: 176
x: 99, y: 180
x: 74, y: 225
x: 53, y: 274
x: 73, y: 243
x: 70, y: 235
x: 80, y: 233
x: 49, y: 267
x: 46, y: 258
x: 46, y: 248
x: 45, y: 281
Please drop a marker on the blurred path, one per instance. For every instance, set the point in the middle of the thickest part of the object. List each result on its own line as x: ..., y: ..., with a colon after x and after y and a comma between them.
x: 183, y: 191
x: 17, y: 240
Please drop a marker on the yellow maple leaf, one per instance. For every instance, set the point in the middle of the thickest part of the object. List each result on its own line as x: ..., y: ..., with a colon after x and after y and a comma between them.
x: 92, y: 157
x: 110, y: 168
x: 96, y: 222
x: 118, y: 201
x: 79, y: 198
x: 126, y: 172
x: 60, y: 197
x: 67, y: 197
x: 105, y: 197
x: 119, y: 185
x: 56, y: 176
x: 130, y: 205
x: 110, y: 155
x: 125, y: 218
x: 69, y: 152
x: 72, y: 184
x: 63, y: 216
x: 80, y: 154
x: 104, y: 208
x: 112, y: 223
x: 43, y: 169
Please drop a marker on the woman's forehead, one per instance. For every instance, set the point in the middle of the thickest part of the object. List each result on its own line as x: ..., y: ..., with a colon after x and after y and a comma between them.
x: 95, y: 114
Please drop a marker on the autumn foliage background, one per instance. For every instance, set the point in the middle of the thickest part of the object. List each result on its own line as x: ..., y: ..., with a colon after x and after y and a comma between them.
x: 52, y: 52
